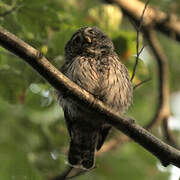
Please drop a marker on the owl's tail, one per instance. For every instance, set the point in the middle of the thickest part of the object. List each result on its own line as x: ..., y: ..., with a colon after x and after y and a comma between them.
x: 82, y: 148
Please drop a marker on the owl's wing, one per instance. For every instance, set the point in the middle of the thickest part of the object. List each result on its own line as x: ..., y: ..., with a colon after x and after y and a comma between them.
x: 59, y: 94
x: 68, y: 121
x: 102, y: 136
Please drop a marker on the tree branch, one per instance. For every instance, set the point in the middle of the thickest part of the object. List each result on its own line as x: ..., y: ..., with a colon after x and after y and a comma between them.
x: 142, y: 82
x: 165, y: 153
x: 163, y: 110
x: 168, y: 24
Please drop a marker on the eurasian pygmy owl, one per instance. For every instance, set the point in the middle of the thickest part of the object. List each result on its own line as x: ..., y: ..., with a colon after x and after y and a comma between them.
x: 91, y: 62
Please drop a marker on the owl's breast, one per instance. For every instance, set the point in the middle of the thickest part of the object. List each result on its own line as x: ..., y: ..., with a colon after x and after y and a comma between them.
x: 107, y: 79
x: 83, y: 71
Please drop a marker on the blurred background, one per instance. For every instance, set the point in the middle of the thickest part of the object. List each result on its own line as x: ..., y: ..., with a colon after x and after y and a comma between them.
x: 33, y: 135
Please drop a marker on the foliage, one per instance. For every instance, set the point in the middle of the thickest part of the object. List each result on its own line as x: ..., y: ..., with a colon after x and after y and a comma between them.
x: 33, y: 136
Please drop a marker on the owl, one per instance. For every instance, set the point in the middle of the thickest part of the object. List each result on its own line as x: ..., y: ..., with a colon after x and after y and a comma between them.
x: 92, y: 63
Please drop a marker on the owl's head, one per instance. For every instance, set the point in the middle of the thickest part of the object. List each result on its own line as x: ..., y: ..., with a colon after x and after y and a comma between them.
x: 88, y: 41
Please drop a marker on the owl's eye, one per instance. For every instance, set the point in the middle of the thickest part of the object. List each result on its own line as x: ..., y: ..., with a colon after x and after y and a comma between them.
x: 77, y: 40
x: 91, y: 31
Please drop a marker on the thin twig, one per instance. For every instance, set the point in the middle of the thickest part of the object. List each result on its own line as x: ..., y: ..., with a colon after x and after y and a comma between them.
x: 142, y: 82
x: 141, y: 50
x: 137, y: 41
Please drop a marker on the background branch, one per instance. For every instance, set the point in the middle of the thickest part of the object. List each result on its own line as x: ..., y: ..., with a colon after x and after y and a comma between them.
x: 163, y: 110
x: 165, y: 23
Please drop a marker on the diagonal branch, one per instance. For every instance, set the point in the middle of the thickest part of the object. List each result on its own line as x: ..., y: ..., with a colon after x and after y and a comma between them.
x: 142, y: 82
x: 165, y: 153
x: 168, y: 24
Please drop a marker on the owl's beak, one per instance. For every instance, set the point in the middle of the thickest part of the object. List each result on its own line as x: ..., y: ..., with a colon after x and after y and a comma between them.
x: 88, y: 39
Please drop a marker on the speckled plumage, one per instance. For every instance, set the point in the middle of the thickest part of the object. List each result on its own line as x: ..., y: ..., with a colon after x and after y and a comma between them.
x: 91, y: 62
